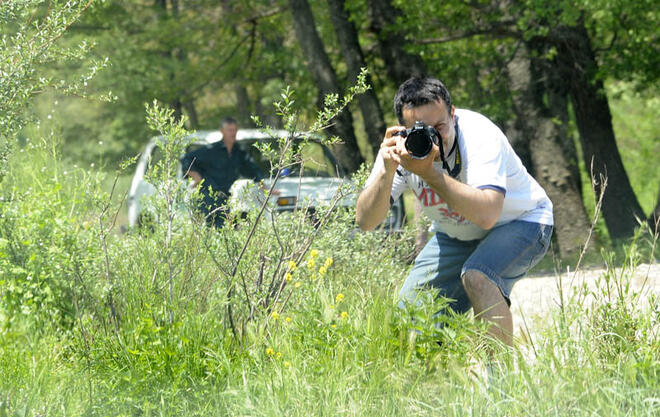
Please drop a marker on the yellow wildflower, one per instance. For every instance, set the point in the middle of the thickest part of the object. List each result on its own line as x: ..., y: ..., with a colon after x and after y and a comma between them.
x: 292, y: 266
x: 288, y: 319
x: 313, y: 277
x: 313, y: 253
x: 278, y: 355
x: 287, y: 364
x: 333, y: 326
x: 344, y: 315
x: 270, y: 351
x: 323, y: 270
x: 311, y: 263
x: 275, y: 315
x: 339, y: 298
x: 328, y: 262
x: 288, y: 276
x: 297, y: 284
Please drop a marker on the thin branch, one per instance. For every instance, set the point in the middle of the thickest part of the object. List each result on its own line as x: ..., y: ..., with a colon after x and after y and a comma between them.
x: 103, y: 235
x: 276, y: 271
x: 278, y: 175
x: 501, y: 30
x: 269, y: 13
x: 253, y: 35
x: 306, y: 245
x: 219, y: 66
x: 230, y: 290
x: 597, y: 209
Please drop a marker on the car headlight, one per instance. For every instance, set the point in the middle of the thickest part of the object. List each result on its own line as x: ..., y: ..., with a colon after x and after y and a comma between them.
x: 286, y: 201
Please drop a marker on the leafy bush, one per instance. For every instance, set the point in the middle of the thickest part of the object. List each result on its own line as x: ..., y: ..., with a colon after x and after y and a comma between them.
x: 45, y: 245
x: 30, y: 31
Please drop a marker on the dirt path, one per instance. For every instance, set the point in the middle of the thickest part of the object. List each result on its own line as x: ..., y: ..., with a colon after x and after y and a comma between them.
x: 533, y: 297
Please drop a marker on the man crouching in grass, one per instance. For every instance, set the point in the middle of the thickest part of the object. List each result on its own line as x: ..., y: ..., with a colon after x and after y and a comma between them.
x: 492, y: 221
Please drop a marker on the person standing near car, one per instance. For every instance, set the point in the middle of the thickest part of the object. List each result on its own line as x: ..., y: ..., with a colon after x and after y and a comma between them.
x: 216, y: 167
x: 492, y: 221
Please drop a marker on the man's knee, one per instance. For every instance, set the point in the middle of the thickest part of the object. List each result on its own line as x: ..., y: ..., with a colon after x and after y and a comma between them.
x: 476, y: 282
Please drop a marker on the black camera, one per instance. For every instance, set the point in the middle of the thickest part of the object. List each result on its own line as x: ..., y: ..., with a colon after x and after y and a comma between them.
x: 420, y: 139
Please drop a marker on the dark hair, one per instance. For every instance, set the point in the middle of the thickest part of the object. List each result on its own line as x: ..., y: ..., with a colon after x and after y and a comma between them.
x: 417, y: 91
x: 227, y: 120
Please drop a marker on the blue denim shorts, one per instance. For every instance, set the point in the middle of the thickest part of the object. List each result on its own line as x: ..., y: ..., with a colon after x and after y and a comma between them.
x: 504, y: 255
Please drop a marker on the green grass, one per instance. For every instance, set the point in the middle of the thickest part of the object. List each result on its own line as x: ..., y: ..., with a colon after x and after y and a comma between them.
x: 340, y: 346
x: 365, y: 365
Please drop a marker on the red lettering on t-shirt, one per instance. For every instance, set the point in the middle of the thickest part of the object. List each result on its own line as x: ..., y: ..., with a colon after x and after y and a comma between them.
x: 429, y: 198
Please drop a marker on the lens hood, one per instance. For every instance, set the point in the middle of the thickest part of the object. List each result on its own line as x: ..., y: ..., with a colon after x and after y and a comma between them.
x: 420, y: 139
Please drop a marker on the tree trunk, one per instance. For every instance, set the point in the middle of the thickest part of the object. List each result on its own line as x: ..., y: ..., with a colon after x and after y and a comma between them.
x: 325, y: 78
x: 243, y: 105
x: 399, y: 64
x: 191, y: 111
x: 374, y: 124
x: 243, y: 102
x: 183, y: 101
x: 544, y: 138
x: 577, y: 61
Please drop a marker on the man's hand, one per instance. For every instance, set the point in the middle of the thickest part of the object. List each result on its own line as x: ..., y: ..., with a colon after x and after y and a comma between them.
x: 388, y: 149
x: 421, y: 167
x: 196, y: 177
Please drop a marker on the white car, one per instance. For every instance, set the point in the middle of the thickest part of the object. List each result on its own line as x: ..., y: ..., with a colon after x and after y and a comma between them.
x: 314, y: 187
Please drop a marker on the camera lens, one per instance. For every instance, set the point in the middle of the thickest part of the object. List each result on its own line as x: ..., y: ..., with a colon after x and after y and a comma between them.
x: 419, y: 143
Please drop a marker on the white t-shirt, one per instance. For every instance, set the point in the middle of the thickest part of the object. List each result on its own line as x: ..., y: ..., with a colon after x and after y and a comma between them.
x: 488, y: 161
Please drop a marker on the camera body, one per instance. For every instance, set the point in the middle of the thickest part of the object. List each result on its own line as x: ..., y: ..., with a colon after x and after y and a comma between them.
x: 420, y: 139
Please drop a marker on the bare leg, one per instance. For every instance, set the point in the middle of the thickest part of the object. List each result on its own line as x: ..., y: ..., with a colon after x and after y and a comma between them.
x: 489, y: 305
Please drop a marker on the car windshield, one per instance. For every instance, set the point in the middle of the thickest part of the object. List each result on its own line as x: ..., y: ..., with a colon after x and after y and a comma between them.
x: 317, y: 159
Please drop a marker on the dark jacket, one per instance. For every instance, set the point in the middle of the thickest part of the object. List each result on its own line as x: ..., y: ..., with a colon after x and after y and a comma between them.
x: 219, y: 169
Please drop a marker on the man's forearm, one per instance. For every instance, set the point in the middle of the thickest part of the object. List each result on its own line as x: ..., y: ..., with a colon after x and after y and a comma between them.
x: 374, y: 202
x: 481, y: 207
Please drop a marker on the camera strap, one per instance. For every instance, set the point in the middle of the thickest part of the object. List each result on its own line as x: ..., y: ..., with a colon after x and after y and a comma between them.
x: 457, y: 163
